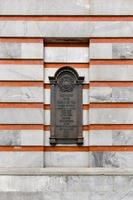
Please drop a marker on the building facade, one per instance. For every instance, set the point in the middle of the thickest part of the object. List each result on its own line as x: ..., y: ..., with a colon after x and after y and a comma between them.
x: 37, y: 39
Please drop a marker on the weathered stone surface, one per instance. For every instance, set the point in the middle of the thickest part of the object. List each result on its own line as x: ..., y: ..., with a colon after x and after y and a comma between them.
x: 66, y: 187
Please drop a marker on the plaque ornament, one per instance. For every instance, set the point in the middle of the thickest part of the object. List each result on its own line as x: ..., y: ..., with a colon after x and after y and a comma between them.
x: 66, y: 107
x: 66, y: 83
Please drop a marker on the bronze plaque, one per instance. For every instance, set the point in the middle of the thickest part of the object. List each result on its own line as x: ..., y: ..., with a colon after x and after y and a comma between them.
x: 66, y: 107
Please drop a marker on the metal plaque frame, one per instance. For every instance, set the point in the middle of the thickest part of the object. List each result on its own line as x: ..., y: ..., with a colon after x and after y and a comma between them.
x: 66, y: 107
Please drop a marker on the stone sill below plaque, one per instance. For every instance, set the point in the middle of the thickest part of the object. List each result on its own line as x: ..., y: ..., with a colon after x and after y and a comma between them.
x: 66, y: 171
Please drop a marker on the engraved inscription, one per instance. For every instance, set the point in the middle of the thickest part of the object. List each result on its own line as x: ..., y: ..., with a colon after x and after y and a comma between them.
x: 66, y: 113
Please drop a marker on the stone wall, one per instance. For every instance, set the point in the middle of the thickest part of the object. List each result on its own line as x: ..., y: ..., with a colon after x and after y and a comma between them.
x: 39, y: 37
x: 65, y: 185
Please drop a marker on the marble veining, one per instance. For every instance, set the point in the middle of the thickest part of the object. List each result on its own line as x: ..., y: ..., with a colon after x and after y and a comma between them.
x: 21, y: 72
x: 111, y: 159
x: 104, y: 159
x: 21, y: 94
x: 10, y: 138
x: 111, y: 94
x: 21, y: 137
x: 10, y: 50
x: 122, y: 51
x: 111, y: 137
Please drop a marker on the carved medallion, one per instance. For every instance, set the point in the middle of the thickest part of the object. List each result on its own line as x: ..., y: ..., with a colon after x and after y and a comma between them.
x: 66, y: 82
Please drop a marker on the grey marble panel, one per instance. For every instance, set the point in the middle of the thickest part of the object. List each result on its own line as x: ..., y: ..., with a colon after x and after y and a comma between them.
x: 21, y: 137
x: 112, y: 7
x: 21, y: 116
x: 21, y: 94
x: 111, y: 159
x: 100, y: 94
x: 111, y: 72
x: 21, y: 195
x: 111, y: 50
x: 30, y: 7
x: 10, y: 50
x: 66, y: 159
x: 122, y: 94
x: 66, y: 54
x: 111, y: 115
x: 21, y: 72
x: 122, y: 51
x: 21, y: 50
x: 44, y: 7
x: 21, y: 159
x: 111, y: 94
x: 111, y: 137
x: 57, y: 184
x: 100, y: 50
x: 73, y: 7
x: 66, y: 29
x: 66, y: 187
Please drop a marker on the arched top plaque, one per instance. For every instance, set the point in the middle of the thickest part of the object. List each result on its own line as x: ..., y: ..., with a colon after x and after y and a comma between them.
x: 66, y: 107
